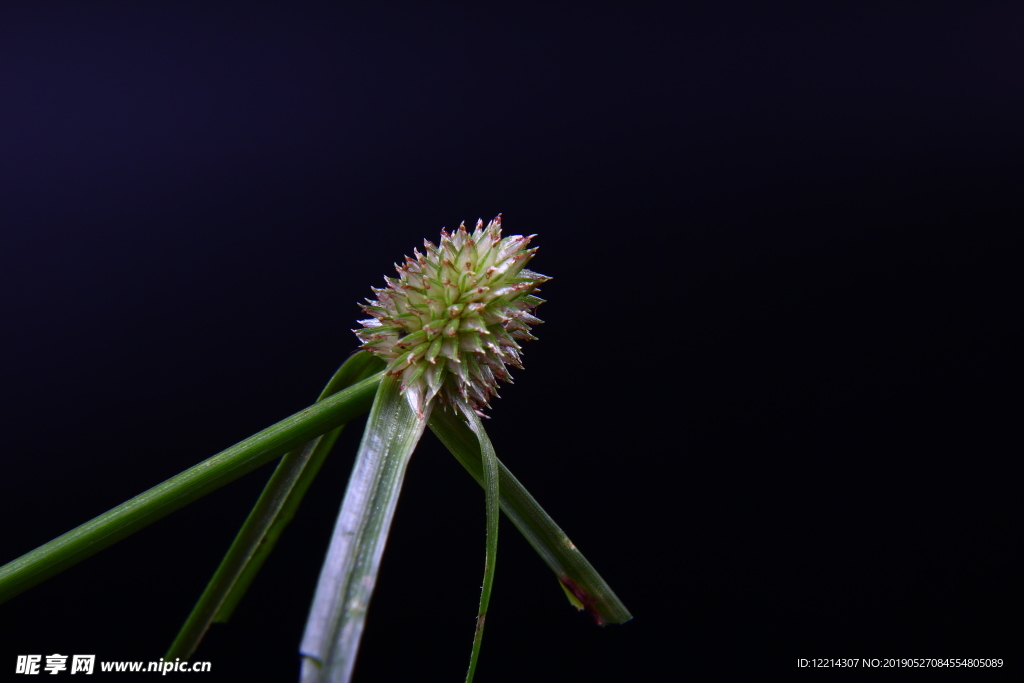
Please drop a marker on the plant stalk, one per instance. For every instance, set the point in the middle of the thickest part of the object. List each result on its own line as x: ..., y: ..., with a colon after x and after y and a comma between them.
x: 144, y: 509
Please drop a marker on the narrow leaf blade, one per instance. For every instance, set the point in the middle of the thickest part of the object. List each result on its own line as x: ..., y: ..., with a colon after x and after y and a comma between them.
x: 492, y: 497
x: 349, y: 574
x: 576, y: 575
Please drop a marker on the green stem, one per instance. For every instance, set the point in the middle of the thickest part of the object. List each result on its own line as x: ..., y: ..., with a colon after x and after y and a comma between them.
x: 192, y: 484
x: 364, y: 364
x: 582, y: 584
x: 272, y: 512
x: 322, y: 447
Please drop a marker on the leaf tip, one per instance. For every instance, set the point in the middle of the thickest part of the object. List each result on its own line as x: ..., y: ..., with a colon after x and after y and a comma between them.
x: 581, y: 599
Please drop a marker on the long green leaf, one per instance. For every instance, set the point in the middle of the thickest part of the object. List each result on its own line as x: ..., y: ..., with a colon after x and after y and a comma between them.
x: 195, y: 482
x: 582, y: 584
x: 274, y: 508
x: 492, y: 496
x: 361, y: 365
x: 349, y: 573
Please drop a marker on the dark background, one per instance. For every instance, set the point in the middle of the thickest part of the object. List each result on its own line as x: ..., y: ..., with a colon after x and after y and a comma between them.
x: 771, y: 401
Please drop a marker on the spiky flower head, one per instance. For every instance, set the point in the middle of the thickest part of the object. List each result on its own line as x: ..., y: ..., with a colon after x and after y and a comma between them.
x: 449, y: 323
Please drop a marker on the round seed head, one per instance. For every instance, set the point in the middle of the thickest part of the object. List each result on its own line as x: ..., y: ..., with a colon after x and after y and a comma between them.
x: 451, y: 322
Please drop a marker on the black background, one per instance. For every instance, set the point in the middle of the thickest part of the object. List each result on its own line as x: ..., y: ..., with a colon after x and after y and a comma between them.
x: 771, y: 401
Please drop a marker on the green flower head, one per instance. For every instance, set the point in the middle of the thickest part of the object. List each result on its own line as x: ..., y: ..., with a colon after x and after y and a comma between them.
x: 450, y: 322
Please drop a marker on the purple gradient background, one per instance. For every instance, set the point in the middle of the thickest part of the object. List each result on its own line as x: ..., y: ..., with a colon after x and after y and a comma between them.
x: 779, y: 326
